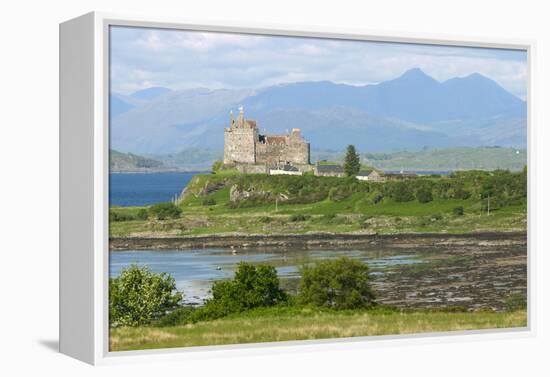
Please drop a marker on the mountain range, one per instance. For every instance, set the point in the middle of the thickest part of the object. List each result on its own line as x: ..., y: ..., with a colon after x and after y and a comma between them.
x: 410, y: 112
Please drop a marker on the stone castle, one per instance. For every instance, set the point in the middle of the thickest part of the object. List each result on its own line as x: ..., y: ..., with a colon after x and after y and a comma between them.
x: 243, y: 144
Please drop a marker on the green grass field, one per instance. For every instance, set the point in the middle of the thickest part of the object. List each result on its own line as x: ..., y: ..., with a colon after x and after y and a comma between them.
x: 283, y: 324
x: 348, y: 216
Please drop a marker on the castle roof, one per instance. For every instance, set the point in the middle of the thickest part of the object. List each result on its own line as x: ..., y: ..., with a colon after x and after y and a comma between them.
x: 329, y: 169
x: 288, y: 167
x: 364, y: 173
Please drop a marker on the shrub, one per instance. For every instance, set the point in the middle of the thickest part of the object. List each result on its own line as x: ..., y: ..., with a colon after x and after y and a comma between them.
x: 118, y: 216
x: 333, y: 193
x: 375, y: 197
x: 209, y: 202
x: 297, y: 217
x: 164, y: 211
x: 341, y: 284
x: 139, y: 296
x: 458, y: 211
x: 436, y: 217
x: 252, y: 287
x: 424, y: 194
x: 142, y: 214
x: 460, y: 193
x: 515, y: 302
x: 217, y: 166
x: 401, y: 192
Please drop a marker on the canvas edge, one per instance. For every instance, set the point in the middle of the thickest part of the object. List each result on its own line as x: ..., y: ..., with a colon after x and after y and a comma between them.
x: 103, y: 356
x: 76, y: 190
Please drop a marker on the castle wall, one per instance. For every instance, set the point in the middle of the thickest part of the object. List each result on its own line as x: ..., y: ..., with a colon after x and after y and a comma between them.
x: 252, y: 168
x: 283, y: 149
x: 240, y: 145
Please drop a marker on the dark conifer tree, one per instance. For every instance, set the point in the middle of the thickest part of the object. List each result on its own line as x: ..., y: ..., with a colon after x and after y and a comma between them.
x: 352, y: 164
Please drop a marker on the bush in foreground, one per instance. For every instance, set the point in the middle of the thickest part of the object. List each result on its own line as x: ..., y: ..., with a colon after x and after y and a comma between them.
x: 139, y: 296
x: 341, y: 284
x: 252, y: 287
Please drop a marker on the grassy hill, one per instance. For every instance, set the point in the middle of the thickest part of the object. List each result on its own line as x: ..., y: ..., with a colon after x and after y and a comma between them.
x: 263, y: 204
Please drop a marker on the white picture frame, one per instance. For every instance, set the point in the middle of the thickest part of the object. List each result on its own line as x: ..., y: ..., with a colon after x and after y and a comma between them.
x: 84, y: 168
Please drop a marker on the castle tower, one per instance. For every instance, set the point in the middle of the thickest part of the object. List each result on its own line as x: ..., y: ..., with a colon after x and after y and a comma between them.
x: 240, y: 118
x: 240, y: 140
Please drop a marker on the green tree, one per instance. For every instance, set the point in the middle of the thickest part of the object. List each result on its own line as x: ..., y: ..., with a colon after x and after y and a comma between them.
x: 163, y: 211
x: 342, y: 283
x: 138, y: 296
x: 253, y: 286
x: 352, y: 164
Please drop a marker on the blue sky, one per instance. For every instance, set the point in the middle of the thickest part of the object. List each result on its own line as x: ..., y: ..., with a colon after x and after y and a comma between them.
x: 177, y: 59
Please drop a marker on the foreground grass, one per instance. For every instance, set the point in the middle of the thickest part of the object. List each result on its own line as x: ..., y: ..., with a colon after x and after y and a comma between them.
x: 282, y: 324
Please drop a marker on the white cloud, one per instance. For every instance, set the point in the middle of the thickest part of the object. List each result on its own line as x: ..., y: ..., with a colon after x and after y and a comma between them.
x: 184, y: 59
x: 152, y: 41
x: 207, y: 41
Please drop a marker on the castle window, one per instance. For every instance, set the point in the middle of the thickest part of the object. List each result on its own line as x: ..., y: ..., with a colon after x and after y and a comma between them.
x: 261, y: 138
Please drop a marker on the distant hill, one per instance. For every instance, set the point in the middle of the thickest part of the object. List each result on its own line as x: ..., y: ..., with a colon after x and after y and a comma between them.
x: 438, y: 159
x: 446, y: 159
x: 130, y: 162
x: 429, y: 159
x: 464, y: 158
x: 118, y: 106
x: 192, y: 158
x: 413, y: 97
x: 150, y: 93
x: 410, y: 112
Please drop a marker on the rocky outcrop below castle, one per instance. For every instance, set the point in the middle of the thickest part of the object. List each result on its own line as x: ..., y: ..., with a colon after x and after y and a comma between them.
x: 261, y: 189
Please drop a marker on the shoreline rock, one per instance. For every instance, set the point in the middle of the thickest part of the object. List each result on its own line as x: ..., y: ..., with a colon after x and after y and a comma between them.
x: 309, y: 240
